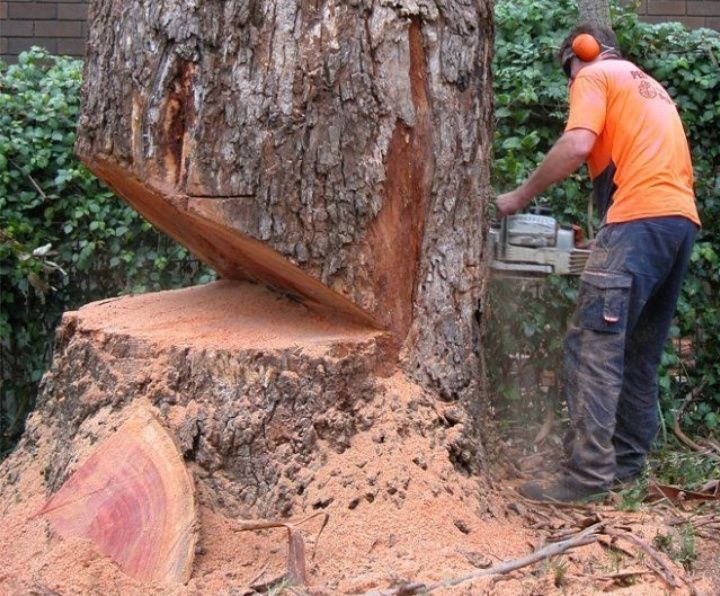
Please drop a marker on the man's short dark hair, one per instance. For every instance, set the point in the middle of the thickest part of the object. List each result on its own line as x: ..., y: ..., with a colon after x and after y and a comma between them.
x: 604, y: 35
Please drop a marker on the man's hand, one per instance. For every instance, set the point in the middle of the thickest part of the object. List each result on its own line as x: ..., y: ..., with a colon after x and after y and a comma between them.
x: 509, y: 203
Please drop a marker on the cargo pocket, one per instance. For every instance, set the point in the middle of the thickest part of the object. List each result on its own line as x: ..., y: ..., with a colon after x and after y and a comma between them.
x: 604, y: 301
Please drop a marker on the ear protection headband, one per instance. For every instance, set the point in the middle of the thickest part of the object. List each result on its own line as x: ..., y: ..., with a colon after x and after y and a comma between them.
x: 585, y: 47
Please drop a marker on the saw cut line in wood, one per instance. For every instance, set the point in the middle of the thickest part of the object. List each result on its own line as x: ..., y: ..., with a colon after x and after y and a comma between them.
x: 134, y: 500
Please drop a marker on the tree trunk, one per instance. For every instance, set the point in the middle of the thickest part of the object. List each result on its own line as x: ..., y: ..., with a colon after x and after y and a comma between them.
x: 337, y: 151
x: 594, y: 11
x: 331, y: 161
x: 334, y: 150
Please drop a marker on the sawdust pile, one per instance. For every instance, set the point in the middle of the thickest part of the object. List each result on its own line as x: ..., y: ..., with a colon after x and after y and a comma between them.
x: 379, y: 467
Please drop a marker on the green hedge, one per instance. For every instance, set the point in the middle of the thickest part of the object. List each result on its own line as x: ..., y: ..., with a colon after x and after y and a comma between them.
x: 65, y: 240
x: 531, y: 99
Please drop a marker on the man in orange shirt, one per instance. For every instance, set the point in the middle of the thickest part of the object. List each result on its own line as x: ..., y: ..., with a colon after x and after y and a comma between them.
x: 624, y: 124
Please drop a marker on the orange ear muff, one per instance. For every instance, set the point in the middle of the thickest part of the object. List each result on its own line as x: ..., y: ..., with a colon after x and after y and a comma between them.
x: 586, y: 47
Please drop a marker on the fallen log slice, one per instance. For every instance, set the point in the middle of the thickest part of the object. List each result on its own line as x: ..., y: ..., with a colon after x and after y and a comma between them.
x: 134, y: 500
x: 250, y: 383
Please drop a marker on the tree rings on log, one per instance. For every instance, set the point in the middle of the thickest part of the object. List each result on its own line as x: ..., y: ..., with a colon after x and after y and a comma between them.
x: 134, y: 500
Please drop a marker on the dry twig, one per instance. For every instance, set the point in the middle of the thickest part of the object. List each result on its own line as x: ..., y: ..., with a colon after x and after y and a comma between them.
x: 614, y: 546
x: 296, y: 549
x: 589, y: 509
x: 663, y: 570
x: 611, y: 577
x: 32, y: 180
x: 563, y: 516
x: 695, y: 521
x: 587, y: 536
x: 546, y: 427
x: 678, y: 431
x: 259, y: 575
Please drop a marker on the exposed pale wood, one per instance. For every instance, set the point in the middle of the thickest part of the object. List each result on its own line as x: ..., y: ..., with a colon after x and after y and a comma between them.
x: 134, y: 500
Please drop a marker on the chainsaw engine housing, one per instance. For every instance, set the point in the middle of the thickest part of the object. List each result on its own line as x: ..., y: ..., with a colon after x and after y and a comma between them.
x: 528, y: 245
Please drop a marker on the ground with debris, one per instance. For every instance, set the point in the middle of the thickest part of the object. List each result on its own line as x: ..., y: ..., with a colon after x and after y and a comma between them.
x: 378, y: 469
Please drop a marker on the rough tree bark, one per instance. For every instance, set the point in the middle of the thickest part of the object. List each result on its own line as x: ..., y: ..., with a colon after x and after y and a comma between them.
x: 335, y: 150
x: 594, y: 11
x: 330, y: 160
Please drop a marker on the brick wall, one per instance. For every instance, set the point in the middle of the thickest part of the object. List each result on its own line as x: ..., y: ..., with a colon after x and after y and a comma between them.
x: 692, y: 13
x: 58, y: 26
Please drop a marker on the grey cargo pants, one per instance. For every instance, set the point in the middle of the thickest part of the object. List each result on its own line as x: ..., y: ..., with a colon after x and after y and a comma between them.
x: 612, y: 350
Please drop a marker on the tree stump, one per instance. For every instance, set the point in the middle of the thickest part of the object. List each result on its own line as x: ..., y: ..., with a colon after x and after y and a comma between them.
x: 248, y: 381
x: 277, y: 410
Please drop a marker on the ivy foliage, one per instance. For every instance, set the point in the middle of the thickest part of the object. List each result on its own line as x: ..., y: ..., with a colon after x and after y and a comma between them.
x: 65, y: 240
x: 524, y: 339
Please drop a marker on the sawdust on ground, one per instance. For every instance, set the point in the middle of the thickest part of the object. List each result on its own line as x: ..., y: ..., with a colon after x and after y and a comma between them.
x: 398, y: 509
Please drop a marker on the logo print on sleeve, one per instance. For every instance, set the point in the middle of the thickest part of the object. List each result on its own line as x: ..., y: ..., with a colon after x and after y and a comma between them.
x: 647, y: 90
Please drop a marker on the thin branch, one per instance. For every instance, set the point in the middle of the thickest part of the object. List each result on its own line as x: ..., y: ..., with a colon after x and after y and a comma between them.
x: 32, y: 180
x: 694, y: 520
x: 706, y: 522
x: 687, y: 441
x: 663, y: 571
x: 244, y: 525
x: 607, y: 544
x: 559, y: 504
x: 259, y: 575
x: 678, y: 431
x: 587, y: 536
x: 610, y: 577
x: 296, y: 545
x: 546, y: 427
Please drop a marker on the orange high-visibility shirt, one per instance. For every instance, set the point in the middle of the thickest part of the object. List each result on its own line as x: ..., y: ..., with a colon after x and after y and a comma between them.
x: 641, y: 155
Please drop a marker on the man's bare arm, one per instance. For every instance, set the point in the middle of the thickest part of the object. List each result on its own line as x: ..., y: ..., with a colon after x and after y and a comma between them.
x: 567, y: 155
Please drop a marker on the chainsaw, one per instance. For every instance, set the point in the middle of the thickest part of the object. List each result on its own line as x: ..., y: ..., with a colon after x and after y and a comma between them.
x: 533, y: 245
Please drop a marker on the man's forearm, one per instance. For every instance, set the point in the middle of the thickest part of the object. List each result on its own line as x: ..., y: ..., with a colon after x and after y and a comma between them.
x: 566, y: 156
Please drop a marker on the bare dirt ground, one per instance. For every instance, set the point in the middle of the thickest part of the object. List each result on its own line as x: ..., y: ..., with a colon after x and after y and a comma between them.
x: 398, y: 511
